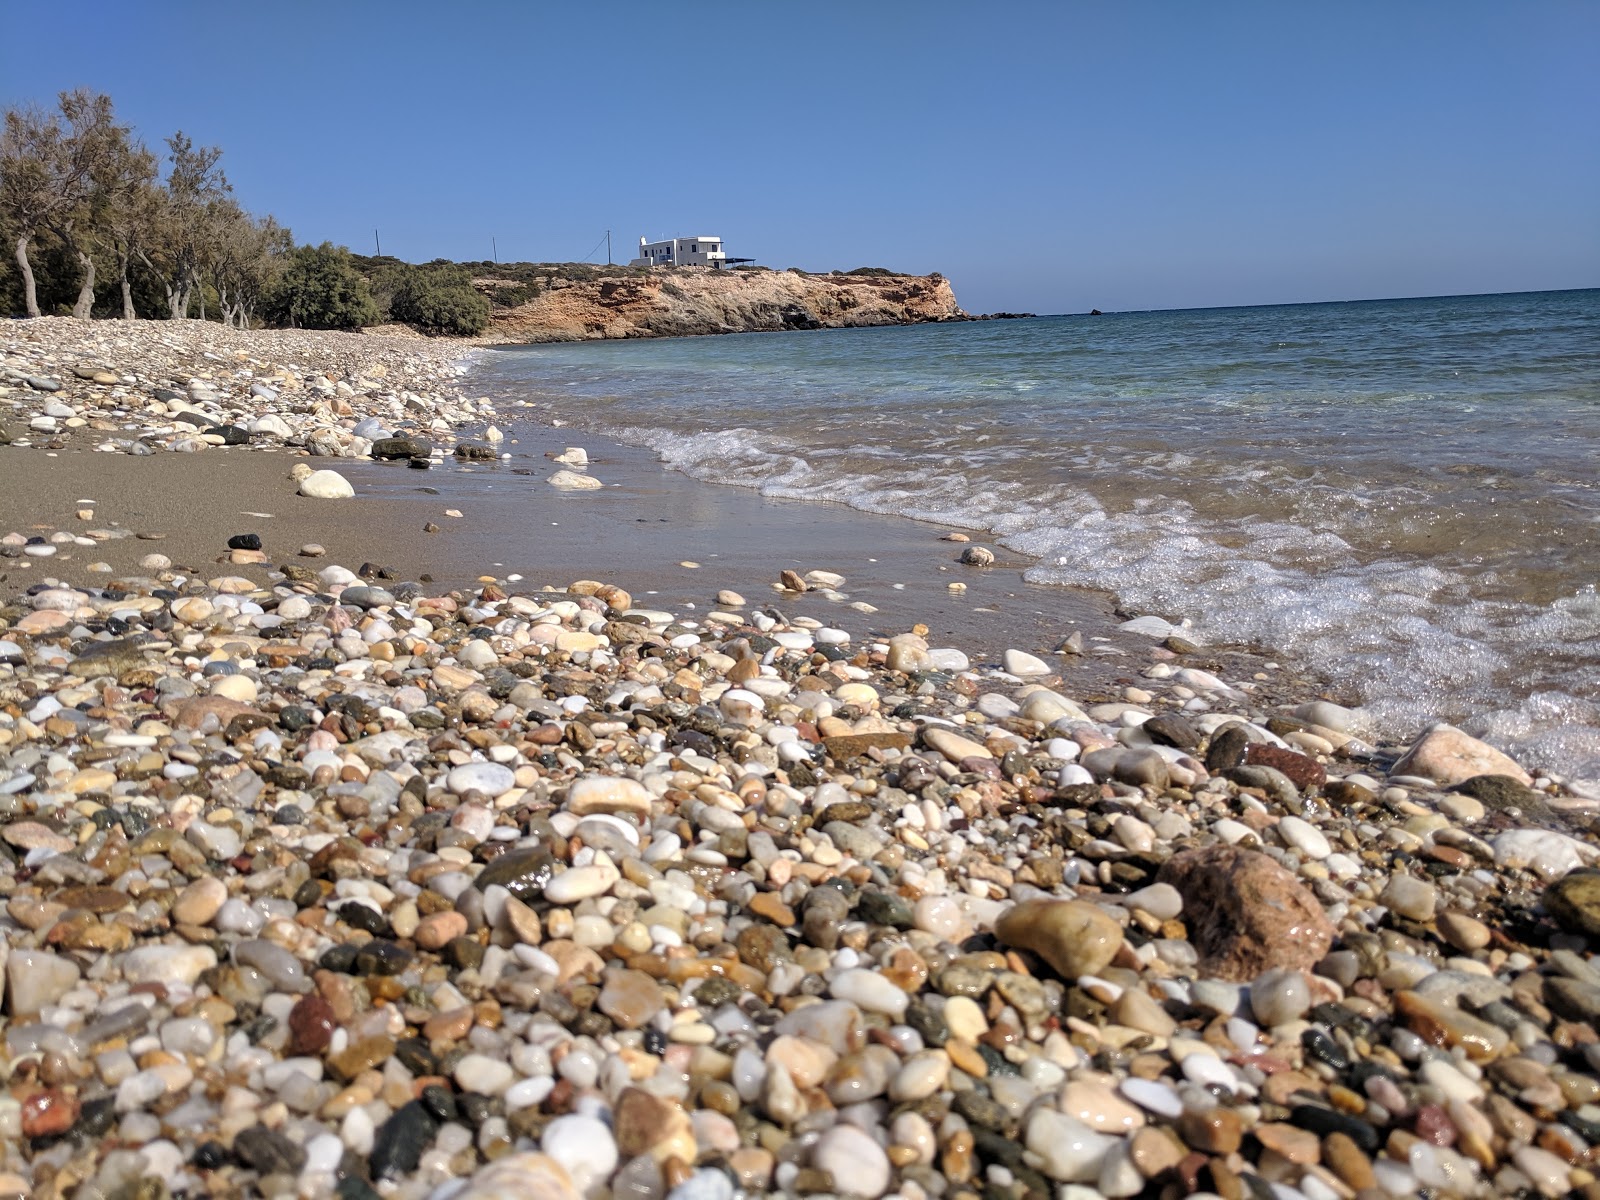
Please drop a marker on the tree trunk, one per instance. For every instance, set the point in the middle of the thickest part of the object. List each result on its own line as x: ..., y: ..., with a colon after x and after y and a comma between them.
x: 30, y: 293
x: 127, y: 290
x: 85, y: 305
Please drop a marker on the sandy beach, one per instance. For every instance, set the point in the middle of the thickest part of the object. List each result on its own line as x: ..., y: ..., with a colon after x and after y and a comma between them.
x: 555, y: 848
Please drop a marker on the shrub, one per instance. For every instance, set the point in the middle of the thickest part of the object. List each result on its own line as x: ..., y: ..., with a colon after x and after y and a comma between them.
x: 439, y: 298
x: 321, y: 289
x: 876, y: 272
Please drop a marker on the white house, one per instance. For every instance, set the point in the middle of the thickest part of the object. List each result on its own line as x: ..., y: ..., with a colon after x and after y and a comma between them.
x: 702, y: 251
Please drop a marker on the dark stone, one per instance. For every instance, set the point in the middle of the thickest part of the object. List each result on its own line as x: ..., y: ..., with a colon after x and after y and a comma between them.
x: 208, y: 1156
x: 1573, y: 999
x: 1574, y: 900
x: 95, y: 1118
x: 308, y: 894
x: 400, y: 1141
x: 980, y: 1109
x: 420, y: 464
x: 474, y: 1107
x: 439, y: 1103
x: 353, y: 1187
x: 293, y: 718
x: 1227, y: 749
x: 363, y: 917
x: 340, y: 959
x: 464, y: 953
x: 232, y: 435
x: 825, y: 909
x: 268, y: 1152
x: 416, y: 1056
x: 523, y: 873
x: 884, y: 908
x: 1319, y: 1045
x: 474, y: 452
x: 402, y: 447
x: 381, y: 957
x: 1324, y: 1121
x: 245, y: 541
x: 1165, y: 729
x: 1500, y: 792
x: 930, y: 1026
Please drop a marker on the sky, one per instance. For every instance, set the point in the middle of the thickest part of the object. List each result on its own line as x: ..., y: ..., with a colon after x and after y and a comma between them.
x: 1046, y: 157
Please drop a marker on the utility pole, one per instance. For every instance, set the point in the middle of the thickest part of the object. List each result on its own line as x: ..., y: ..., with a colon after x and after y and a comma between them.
x: 376, y: 243
x: 496, y: 247
x: 608, y: 247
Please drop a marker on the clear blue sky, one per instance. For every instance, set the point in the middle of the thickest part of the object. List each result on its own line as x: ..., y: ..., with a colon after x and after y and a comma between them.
x: 1045, y: 156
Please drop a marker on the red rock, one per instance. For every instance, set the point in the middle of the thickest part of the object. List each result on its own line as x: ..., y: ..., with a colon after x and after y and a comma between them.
x: 311, y: 1023
x: 48, y: 1113
x: 1303, y: 771
x: 1246, y: 913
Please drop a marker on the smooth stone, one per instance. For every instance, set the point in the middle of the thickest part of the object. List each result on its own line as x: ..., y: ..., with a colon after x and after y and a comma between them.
x: 868, y: 990
x: 1547, y: 854
x: 591, y: 794
x: 1024, y: 665
x: 1279, y: 996
x: 854, y: 1161
x: 573, y: 481
x: 1573, y: 900
x: 36, y: 979
x: 1100, y: 1108
x: 1073, y: 936
x: 1410, y: 897
x: 491, y: 779
x: 1305, y: 837
x: 1069, y: 1151
x: 165, y: 963
x: 326, y: 485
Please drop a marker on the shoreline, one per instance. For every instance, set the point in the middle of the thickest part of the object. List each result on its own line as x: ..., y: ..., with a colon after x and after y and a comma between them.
x: 477, y: 889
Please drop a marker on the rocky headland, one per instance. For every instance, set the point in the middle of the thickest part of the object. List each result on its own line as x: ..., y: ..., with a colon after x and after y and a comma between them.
x: 668, y: 302
x: 318, y: 883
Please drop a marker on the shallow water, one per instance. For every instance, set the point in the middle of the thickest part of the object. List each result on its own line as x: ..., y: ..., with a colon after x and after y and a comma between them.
x: 1402, y: 493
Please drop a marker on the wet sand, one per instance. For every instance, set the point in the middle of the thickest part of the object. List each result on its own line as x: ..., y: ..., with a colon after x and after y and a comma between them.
x: 635, y: 532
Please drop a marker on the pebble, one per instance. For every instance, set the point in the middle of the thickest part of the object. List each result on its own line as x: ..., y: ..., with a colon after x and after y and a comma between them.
x: 542, y: 893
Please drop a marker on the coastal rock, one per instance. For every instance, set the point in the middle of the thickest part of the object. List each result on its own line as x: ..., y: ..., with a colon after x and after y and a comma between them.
x: 1073, y: 936
x: 1246, y: 914
x: 326, y: 485
x: 401, y: 447
x: 1447, y: 756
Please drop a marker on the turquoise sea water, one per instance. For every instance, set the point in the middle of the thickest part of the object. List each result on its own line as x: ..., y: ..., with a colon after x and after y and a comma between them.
x: 1403, y: 493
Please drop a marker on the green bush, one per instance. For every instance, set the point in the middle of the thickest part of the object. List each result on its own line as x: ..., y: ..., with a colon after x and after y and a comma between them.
x: 439, y: 298
x: 321, y: 289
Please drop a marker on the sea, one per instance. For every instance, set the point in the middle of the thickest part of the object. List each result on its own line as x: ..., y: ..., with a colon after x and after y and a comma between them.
x: 1401, y: 494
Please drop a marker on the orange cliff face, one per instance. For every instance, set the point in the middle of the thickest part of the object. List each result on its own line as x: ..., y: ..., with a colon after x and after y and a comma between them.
x: 681, y: 302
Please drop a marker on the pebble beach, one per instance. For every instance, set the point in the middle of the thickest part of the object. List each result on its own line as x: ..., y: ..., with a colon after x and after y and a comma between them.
x: 322, y: 880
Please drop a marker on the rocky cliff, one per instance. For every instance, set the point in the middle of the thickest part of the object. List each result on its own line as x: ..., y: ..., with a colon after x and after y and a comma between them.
x: 679, y: 302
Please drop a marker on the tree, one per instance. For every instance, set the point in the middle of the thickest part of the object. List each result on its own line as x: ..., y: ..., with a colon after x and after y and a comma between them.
x: 440, y: 298
x: 194, y: 182
x: 45, y: 170
x: 132, y: 222
x: 246, y: 257
x: 321, y: 289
